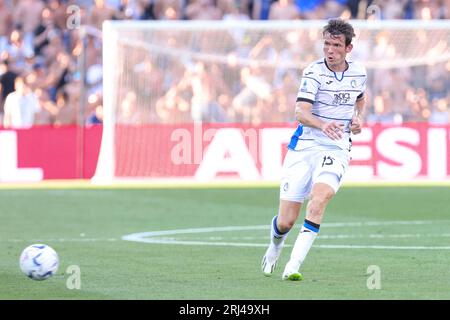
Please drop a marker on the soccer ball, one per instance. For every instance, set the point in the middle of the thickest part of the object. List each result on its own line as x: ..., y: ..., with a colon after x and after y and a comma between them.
x: 39, y: 261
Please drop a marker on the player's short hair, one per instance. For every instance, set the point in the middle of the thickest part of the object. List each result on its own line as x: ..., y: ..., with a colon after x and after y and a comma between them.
x: 336, y: 27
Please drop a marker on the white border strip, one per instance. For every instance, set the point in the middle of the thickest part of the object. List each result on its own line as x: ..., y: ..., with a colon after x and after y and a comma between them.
x: 189, y: 183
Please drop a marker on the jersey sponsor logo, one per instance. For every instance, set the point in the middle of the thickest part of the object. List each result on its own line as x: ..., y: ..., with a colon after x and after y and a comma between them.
x: 340, y: 98
x: 329, y: 82
x: 353, y: 83
x: 286, y: 186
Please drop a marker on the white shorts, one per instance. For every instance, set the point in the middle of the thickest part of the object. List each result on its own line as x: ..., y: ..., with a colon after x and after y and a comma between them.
x: 302, y: 169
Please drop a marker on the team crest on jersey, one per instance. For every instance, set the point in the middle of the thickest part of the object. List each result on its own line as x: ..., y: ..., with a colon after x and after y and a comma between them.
x: 304, y: 87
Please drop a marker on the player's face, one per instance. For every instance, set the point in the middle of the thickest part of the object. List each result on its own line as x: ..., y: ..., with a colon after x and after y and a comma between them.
x: 335, y: 50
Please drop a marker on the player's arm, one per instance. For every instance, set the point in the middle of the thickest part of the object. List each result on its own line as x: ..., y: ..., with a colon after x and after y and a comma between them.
x: 304, y: 115
x: 358, y: 116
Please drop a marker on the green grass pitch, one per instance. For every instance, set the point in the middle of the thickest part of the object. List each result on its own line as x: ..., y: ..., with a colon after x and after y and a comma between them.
x: 404, y: 231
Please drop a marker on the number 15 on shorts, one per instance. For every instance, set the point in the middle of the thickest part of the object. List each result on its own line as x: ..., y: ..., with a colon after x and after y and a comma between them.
x: 327, y: 161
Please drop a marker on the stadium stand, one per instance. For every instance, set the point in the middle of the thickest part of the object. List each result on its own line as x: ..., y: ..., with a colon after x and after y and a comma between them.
x: 40, y: 41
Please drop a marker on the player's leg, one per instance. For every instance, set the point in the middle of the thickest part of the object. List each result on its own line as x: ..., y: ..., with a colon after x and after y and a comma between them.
x: 321, y: 194
x: 294, y: 188
x: 279, y: 228
x: 326, y: 182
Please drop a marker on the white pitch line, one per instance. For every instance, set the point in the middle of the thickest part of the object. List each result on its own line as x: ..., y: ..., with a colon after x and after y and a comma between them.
x: 331, y: 246
x: 376, y: 223
x: 266, y: 227
x: 244, y: 244
x: 154, y: 237
x: 215, y: 238
x: 344, y: 236
x: 222, y: 229
x: 61, y: 240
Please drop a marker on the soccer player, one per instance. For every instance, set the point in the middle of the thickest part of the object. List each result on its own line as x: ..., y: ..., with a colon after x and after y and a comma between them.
x: 330, y: 106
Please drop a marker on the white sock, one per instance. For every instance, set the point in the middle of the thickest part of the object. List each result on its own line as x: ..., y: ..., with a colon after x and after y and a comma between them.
x: 305, y: 239
x: 276, y: 236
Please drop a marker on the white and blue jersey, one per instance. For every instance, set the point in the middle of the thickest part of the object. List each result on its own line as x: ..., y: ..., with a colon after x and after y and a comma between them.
x: 333, y: 96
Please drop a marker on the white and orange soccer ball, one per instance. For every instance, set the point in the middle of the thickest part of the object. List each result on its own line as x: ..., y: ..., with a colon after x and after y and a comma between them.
x: 39, y: 261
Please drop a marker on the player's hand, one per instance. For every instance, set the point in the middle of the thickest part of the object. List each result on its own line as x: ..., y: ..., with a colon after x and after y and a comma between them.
x: 355, y: 125
x: 333, y: 130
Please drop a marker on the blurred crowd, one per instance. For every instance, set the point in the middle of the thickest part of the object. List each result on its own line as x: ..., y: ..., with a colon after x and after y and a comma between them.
x: 41, y: 47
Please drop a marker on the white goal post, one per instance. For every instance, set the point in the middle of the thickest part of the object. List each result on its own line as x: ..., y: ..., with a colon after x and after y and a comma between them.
x: 150, y: 74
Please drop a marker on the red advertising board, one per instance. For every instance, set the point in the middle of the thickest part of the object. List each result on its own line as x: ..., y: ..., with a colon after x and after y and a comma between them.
x: 45, y: 152
x: 210, y: 151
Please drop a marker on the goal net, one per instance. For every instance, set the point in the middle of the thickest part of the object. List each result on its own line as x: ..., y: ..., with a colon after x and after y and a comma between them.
x: 167, y: 83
